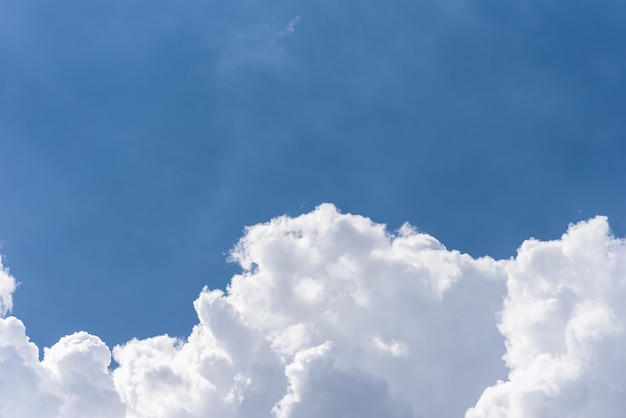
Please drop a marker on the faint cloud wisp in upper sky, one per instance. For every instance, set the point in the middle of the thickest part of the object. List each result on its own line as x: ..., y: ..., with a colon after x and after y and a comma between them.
x: 256, y: 46
x: 289, y: 29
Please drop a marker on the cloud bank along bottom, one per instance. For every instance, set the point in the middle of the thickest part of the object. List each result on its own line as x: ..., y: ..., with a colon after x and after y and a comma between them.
x: 333, y: 315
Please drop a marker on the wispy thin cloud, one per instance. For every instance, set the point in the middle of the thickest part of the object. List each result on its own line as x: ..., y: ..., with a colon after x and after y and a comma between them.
x: 289, y: 29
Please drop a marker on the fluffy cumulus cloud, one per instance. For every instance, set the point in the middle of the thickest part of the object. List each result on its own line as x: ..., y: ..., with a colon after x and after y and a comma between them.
x: 563, y: 320
x: 334, y: 316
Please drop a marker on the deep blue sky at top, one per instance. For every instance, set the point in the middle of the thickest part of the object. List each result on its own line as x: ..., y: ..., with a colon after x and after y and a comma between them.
x: 138, y: 138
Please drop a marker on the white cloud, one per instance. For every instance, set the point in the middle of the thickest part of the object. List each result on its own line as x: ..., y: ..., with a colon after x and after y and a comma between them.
x: 7, y: 287
x: 71, y: 381
x: 335, y: 316
x: 563, y: 322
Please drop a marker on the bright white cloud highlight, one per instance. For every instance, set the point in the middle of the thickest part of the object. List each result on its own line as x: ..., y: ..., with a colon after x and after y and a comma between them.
x: 333, y: 315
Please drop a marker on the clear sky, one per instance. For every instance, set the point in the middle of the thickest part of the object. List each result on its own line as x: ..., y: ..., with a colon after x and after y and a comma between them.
x: 138, y: 139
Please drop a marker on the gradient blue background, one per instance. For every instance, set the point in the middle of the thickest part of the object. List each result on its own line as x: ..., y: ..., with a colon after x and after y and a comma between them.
x: 138, y: 138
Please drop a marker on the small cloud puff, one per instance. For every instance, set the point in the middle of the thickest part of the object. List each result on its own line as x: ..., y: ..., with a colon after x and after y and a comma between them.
x: 333, y: 315
x: 7, y: 287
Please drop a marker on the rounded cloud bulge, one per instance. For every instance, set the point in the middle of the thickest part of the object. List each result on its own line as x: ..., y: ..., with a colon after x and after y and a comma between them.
x: 334, y: 315
x: 563, y: 320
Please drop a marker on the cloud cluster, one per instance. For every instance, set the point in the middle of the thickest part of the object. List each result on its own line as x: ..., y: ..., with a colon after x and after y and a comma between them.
x: 333, y: 315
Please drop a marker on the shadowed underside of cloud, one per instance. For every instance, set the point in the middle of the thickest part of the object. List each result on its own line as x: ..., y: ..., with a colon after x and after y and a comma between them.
x: 335, y: 316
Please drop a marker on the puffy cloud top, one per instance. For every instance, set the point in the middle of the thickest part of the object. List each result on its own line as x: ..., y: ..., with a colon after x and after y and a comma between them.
x: 333, y: 315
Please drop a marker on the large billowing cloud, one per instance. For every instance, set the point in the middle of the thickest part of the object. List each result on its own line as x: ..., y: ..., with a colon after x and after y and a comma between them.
x: 334, y: 316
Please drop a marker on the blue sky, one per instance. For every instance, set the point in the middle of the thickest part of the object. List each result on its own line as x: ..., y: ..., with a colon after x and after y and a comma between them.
x: 138, y: 139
